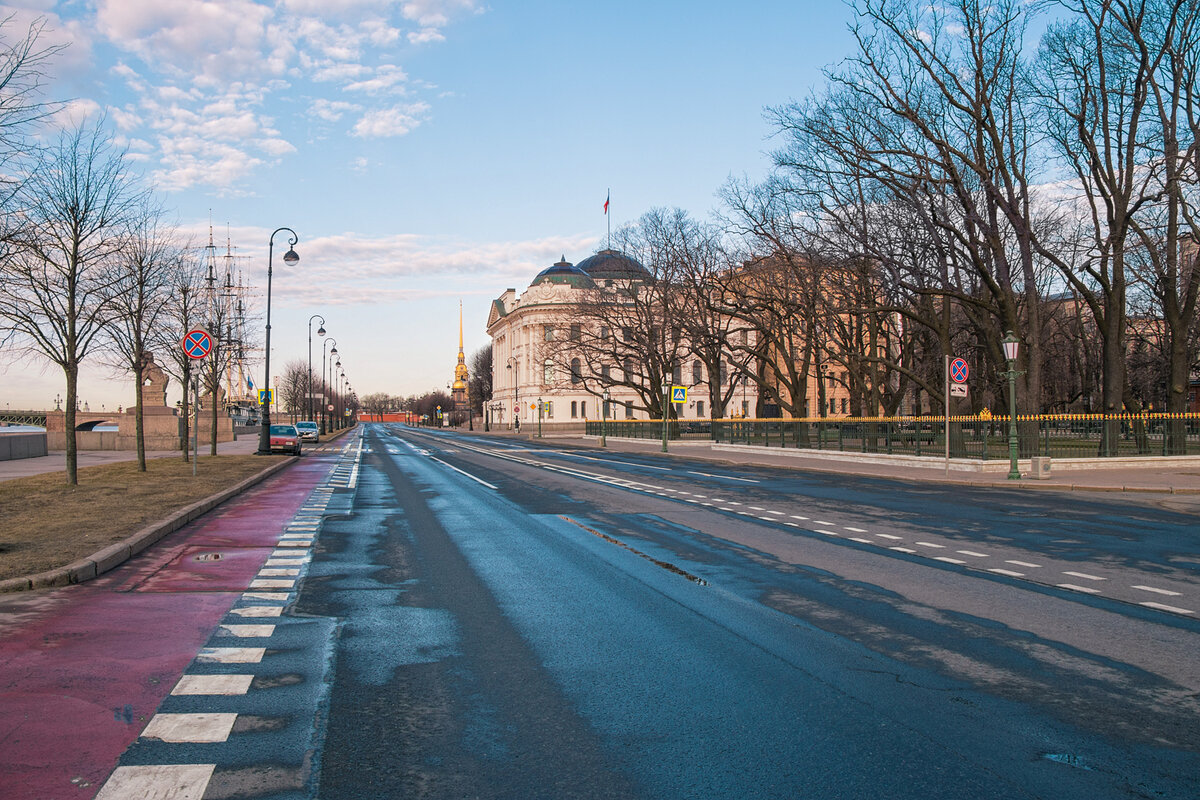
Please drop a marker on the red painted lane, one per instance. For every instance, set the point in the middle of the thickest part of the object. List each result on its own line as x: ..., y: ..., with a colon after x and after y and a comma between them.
x: 83, y: 668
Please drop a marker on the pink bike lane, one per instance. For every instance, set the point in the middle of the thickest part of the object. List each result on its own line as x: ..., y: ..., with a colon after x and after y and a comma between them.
x: 83, y: 668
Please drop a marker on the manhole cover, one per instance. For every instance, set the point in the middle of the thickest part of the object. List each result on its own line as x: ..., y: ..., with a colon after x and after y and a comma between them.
x: 208, y: 557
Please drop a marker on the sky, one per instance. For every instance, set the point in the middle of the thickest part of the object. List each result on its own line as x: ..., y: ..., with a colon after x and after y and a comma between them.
x: 425, y: 152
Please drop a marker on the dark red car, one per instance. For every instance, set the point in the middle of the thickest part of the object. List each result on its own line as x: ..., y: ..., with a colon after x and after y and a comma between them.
x: 285, y: 438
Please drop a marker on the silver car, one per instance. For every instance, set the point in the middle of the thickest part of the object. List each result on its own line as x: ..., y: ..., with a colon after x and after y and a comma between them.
x: 309, y: 431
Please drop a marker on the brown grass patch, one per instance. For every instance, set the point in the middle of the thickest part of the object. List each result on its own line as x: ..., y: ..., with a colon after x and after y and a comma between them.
x: 44, y: 523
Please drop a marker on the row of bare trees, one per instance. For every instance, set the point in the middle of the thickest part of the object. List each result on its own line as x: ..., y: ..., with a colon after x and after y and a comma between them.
x: 302, y: 395
x: 948, y: 184
x: 89, y: 265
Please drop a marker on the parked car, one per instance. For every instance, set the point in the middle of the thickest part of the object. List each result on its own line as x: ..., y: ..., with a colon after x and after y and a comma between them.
x: 285, y: 438
x: 309, y: 431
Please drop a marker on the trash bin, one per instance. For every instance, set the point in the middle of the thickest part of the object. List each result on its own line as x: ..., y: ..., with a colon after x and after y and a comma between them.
x: 1039, y: 467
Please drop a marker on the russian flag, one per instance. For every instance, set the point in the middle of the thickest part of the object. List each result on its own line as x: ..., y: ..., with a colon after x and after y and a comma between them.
x: 606, y: 199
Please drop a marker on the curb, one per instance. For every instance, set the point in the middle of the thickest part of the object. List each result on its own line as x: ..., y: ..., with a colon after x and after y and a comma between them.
x: 115, y: 554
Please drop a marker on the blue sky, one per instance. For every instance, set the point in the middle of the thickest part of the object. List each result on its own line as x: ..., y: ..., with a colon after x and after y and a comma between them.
x: 426, y: 152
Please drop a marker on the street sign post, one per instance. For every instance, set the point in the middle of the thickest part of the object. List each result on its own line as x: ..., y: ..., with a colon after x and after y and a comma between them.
x: 266, y: 396
x: 679, y: 394
x: 197, y: 344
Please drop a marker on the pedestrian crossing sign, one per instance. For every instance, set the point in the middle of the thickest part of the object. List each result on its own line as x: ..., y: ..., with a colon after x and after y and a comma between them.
x: 266, y: 396
x: 679, y: 394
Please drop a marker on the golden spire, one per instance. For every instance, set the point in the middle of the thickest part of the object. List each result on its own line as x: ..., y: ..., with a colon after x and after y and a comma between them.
x: 460, y: 372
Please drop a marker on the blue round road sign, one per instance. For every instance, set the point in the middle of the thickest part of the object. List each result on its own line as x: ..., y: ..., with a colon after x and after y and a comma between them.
x: 959, y: 371
x: 197, y: 344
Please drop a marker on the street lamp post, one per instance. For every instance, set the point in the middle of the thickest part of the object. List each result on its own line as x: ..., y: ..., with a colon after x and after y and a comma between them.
x: 516, y: 394
x: 333, y: 388
x: 666, y: 393
x: 539, y: 417
x: 289, y: 258
x: 320, y: 332
x: 1011, y: 344
x: 323, y: 387
x: 604, y: 418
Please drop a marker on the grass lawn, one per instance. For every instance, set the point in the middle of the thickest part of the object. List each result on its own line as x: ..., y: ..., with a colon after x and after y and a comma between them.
x: 44, y: 523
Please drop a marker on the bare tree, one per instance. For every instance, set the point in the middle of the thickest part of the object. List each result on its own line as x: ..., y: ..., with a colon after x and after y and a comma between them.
x: 293, y: 381
x: 183, y: 303
x: 59, y: 287
x: 22, y: 63
x: 481, y: 378
x: 147, y: 270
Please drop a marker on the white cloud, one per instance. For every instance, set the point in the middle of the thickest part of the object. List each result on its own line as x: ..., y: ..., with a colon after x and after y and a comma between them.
x: 386, y: 77
x: 437, y: 13
x: 426, y: 36
x: 74, y: 113
x: 396, y: 121
x: 331, y: 110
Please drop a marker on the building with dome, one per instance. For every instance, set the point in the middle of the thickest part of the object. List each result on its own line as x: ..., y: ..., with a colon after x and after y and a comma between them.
x: 554, y: 342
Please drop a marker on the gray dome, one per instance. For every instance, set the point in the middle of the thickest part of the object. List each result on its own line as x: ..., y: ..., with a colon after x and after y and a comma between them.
x: 609, y: 264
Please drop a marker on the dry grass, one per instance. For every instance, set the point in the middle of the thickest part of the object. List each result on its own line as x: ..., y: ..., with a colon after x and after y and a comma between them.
x: 45, y: 523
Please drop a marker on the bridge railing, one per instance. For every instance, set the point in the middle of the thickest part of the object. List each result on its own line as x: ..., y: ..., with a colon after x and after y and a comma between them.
x: 971, y: 437
x: 37, y: 418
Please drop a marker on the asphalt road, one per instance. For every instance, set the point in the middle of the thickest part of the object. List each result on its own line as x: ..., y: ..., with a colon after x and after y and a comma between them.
x: 522, y: 621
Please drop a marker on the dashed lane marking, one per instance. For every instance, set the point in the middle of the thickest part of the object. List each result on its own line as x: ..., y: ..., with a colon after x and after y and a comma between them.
x: 931, y: 544
x: 1008, y: 572
x: 860, y: 530
x: 1024, y: 564
x: 193, y: 728
x: 948, y: 560
x: 248, y: 631
x: 797, y: 516
x: 1074, y: 588
x: 1172, y: 609
x: 161, y: 782
x: 972, y: 553
x: 224, y: 685
x: 1156, y: 590
x: 852, y: 538
x: 902, y: 549
x: 231, y: 655
x: 1085, y: 576
x: 258, y: 611
x: 881, y: 535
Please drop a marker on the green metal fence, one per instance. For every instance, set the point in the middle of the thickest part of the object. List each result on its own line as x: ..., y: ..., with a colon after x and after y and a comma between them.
x: 1054, y: 435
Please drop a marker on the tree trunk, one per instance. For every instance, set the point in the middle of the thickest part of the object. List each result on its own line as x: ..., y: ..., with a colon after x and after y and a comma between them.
x: 139, y: 416
x: 72, y: 375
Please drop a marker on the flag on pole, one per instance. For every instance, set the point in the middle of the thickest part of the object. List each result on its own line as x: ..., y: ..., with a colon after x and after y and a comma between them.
x: 606, y: 199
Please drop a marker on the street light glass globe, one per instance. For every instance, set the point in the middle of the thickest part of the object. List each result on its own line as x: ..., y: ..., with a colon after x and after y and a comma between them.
x: 321, y: 331
x: 291, y: 257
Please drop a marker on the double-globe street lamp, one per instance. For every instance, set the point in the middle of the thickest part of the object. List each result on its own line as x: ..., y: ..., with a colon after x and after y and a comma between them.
x: 320, y: 332
x: 323, y: 386
x: 289, y: 258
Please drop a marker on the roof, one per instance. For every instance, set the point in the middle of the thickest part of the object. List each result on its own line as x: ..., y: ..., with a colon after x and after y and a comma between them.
x: 566, y: 273
x: 612, y: 264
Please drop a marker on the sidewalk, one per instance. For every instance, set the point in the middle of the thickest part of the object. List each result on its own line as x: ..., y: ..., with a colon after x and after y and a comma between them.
x: 56, y: 460
x: 1182, y: 477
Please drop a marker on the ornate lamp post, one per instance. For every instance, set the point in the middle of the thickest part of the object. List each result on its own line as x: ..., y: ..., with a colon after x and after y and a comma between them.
x: 516, y: 397
x: 666, y: 393
x: 539, y: 417
x: 320, y: 332
x: 289, y: 258
x: 1011, y: 343
x: 323, y: 386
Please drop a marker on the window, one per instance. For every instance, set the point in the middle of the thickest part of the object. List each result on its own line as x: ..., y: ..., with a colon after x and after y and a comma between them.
x: 606, y: 372
x: 697, y: 373
x: 604, y: 333
x: 583, y: 408
x: 677, y: 374
x: 627, y: 334
x: 628, y: 368
x: 700, y: 408
x: 724, y: 373
x: 743, y: 336
x: 576, y: 372
x: 576, y: 332
x: 675, y: 335
x: 832, y: 406
x: 548, y: 372
x: 574, y: 409
x: 628, y: 409
x: 548, y: 333
x: 843, y: 405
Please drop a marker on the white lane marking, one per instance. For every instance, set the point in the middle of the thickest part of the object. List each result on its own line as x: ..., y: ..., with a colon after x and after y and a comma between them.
x: 756, y: 508
x: 278, y: 597
x: 767, y: 519
x: 733, y: 503
x: 296, y: 543
x: 973, y: 553
x: 931, y: 544
x: 160, y: 782
x: 717, y: 500
x: 286, y: 562
x: 710, y: 505
x: 701, y: 497
x: 231, y: 655
x: 902, y: 549
x: 1008, y: 572
x: 213, y: 684
x: 777, y: 513
x: 249, y: 631
x: 726, y: 477
x: 1075, y: 588
x: 948, y: 560
x: 835, y: 533
x: 852, y: 538
x: 195, y: 728
x: 1167, y: 592
x: 690, y: 500
x: 792, y: 524
x: 797, y: 516
x: 1085, y: 576
x: 1174, y: 609
x: 1024, y: 564
x: 822, y: 522
x: 688, y: 494
x: 882, y: 535
x: 463, y: 472
x: 271, y: 583
x: 860, y: 530
x: 278, y: 572
x: 257, y: 611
